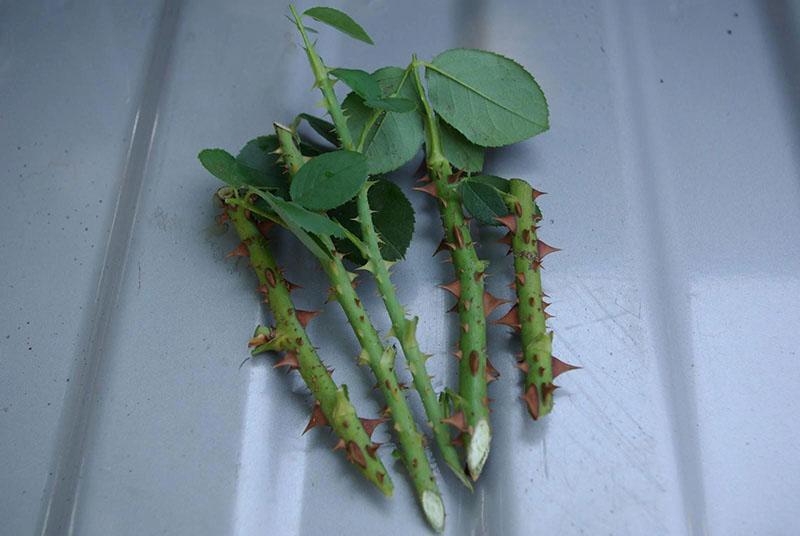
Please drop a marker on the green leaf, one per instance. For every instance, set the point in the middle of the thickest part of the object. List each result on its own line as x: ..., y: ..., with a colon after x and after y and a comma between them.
x: 492, y: 180
x: 392, y: 139
x: 339, y: 20
x: 393, y: 218
x: 461, y: 152
x: 359, y: 81
x: 294, y: 214
x: 490, y: 99
x: 330, y: 179
x: 222, y: 165
x: 259, y: 166
x: 482, y: 201
x: 321, y: 127
x: 392, y: 104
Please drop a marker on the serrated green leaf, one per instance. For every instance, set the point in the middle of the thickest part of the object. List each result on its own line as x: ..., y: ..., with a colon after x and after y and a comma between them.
x: 259, y: 164
x: 295, y: 214
x: 339, y: 20
x: 322, y: 127
x: 393, y: 218
x: 359, y: 81
x: 328, y: 180
x: 392, y: 139
x: 392, y: 104
x: 492, y: 180
x: 482, y: 201
x: 461, y: 152
x: 222, y: 165
x: 489, y: 98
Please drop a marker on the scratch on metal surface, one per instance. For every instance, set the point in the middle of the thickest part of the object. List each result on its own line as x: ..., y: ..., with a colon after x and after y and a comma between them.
x: 61, y: 497
x: 646, y: 175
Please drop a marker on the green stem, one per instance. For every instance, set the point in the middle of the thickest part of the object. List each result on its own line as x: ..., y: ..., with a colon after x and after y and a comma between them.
x: 529, y: 313
x: 469, y: 287
x: 292, y: 156
x: 382, y: 362
x: 405, y: 330
x: 288, y: 335
x: 325, y: 85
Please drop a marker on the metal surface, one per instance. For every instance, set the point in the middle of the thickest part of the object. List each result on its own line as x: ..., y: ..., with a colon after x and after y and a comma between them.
x: 672, y: 164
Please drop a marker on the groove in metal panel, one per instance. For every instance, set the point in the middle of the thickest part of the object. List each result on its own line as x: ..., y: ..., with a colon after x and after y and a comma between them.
x: 662, y: 275
x: 62, y: 491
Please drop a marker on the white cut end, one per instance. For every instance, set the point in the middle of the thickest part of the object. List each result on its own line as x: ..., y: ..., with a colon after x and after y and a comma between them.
x: 478, y: 448
x: 434, y: 510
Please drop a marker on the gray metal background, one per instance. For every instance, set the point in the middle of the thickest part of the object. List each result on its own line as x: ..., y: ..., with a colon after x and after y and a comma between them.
x: 672, y: 164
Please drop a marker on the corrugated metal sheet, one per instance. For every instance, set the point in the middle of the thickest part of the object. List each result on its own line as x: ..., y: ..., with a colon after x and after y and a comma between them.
x: 672, y: 164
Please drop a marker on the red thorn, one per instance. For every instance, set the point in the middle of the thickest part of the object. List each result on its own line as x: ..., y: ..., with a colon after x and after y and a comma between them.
x: 547, y: 315
x: 289, y: 360
x: 536, y: 193
x: 458, y: 441
x: 454, y: 288
x: 490, y: 303
x: 473, y: 362
x: 507, y: 238
x: 443, y: 245
x: 457, y: 420
x: 373, y: 448
x: 491, y: 372
x: 222, y: 218
x: 559, y: 367
x: 545, y: 305
x: 531, y: 398
x: 339, y: 445
x: 424, y: 178
x: 264, y: 227
x: 547, y: 389
x: 511, y: 319
x: 458, y: 353
x: 429, y: 189
x: 455, y: 176
x: 317, y: 418
x: 356, y: 455
x: 521, y: 278
x: 523, y: 366
x: 459, y: 236
x: 291, y: 286
x: 304, y: 317
x: 370, y: 424
x: 545, y: 249
x: 239, y: 251
x: 258, y: 340
x: 263, y: 289
x: 454, y: 308
x: 509, y: 221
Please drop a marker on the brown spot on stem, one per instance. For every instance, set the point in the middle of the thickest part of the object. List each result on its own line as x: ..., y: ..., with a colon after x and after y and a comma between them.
x: 269, y: 273
x: 526, y: 236
x: 474, y: 362
x: 355, y: 454
x: 458, y: 236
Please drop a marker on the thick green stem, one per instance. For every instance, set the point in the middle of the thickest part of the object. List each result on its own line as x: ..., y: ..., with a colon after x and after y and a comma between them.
x: 292, y: 156
x: 325, y: 85
x: 529, y: 315
x: 381, y: 361
x: 405, y: 330
x: 288, y: 335
x: 469, y: 288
